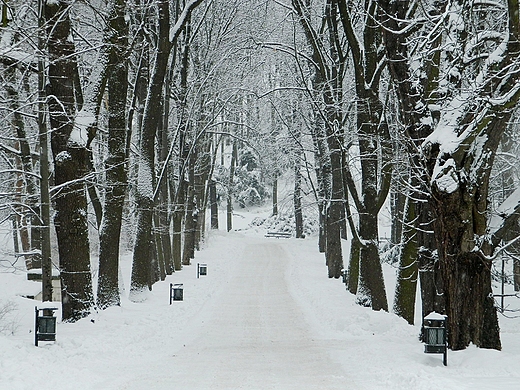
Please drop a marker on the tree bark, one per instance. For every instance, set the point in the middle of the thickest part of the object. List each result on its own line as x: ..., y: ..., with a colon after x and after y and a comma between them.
x: 70, y: 166
x: 213, y: 204
x: 297, y: 199
x: 404, y: 301
x: 45, y: 199
x: 372, y: 134
x: 115, y: 168
x: 432, y: 290
x: 190, y: 220
x: 163, y: 211
x: 178, y: 215
x: 470, y: 306
x: 353, y: 267
x: 141, y: 279
x: 323, y: 175
x: 275, y: 196
x: 234, y: 157
x: 333, y: 252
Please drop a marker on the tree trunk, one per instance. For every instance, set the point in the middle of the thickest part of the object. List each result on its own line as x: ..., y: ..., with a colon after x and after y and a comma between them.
x: 397, y: 203
x: 141, y: 279
x: 163, y: 212
x: 213, y: 204
x: 202, y: 173
x: 323, y: 176
x: 516, y: 274
x: 470, y: 306
x: 115, y: 170
x: 371, y: 288
x: 229, y: 213
x: 70, y: 166
x: 45, y: 199
x: 333, y: 251
x: 159, y: 248
x: 275, y: 196
x: 297, y: 199
x: 404, y: 301
x: 190, y: 220
x: 432, y: 291
x: 353, y: 267
x: 178, y: 215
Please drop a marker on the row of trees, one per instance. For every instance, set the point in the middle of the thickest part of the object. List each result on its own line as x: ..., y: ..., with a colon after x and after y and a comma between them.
x: 444, y: 76
x: 156, y: 109
x: 109, y: 83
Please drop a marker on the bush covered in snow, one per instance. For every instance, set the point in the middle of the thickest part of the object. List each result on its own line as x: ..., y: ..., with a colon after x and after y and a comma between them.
x: 284, y: 222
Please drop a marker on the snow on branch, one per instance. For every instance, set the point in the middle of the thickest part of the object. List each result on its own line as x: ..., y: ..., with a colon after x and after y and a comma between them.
x: 83, y: 121
x: 14, y: 57
x: 506, y: 215
x: 183, y: 17
x: 465, y: 116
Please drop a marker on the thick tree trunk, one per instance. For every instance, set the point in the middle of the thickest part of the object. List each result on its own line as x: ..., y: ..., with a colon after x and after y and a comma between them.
x: 371, y: 288
x: 70, y: 166
x: 141, y: 279
x: 115, y: 168
x: 72, y: 233
x: 333, y: 251
x: 432, y: 291
x: 163, y: 213
x: 470, y: 308
x: 464, y: 243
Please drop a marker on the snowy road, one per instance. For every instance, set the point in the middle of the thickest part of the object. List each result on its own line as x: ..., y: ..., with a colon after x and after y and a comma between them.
x: 265, y: 317
x: 257, y: 338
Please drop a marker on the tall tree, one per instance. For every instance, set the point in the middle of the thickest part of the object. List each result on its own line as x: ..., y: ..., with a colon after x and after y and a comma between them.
x: 167, y: 35
x: 375, y: 149
x: 475, y: 106
x: 413, y: 100
x: 116, y: 39
x: 70, y: 158
x: 327, y: 84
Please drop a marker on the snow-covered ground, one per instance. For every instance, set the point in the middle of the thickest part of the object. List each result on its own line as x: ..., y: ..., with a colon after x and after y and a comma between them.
x: 265, y: 317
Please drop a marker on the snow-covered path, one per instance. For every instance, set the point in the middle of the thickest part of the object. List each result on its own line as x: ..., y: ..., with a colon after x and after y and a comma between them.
x: 257, y: 338
x: 265, y: 317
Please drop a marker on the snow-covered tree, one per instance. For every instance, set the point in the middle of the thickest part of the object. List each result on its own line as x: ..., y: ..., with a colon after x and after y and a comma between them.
x: 167, y: 36
x: 457, y: 129
x: 70, y: 157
